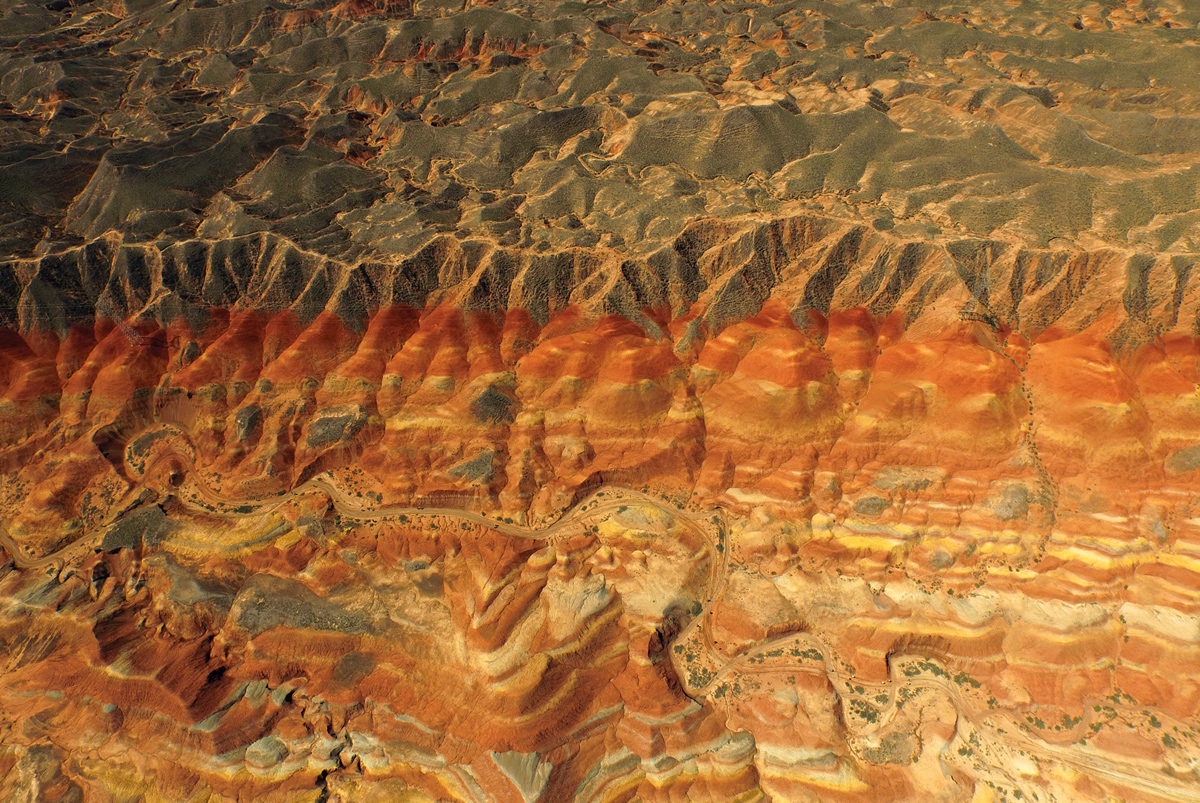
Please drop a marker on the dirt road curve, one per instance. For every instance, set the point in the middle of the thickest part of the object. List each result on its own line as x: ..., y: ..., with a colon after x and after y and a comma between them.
x: 1001, y: 731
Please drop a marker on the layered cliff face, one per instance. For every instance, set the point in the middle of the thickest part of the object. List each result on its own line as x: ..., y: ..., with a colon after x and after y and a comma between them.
x: 607, y: 402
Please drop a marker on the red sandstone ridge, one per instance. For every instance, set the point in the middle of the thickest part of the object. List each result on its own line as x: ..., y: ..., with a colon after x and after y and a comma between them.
x: 263, y: 521
x: 428, y: 401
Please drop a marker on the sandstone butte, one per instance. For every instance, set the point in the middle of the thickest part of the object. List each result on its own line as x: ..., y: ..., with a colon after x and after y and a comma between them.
x: 414, y: 400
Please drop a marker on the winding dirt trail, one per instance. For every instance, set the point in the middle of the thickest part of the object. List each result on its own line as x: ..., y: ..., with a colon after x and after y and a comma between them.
x: 1000, y: 729
x: 602, y: 500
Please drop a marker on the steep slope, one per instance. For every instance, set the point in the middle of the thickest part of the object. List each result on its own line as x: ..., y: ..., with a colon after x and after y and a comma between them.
x: 599, y: 401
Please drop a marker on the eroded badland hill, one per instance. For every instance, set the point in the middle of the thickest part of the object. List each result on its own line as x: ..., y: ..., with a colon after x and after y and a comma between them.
x: 599, y: 401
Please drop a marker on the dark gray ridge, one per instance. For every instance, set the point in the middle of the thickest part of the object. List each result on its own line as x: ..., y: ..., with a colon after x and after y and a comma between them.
x: 144, y: 528
x: 266, y: 601
x: 493, y: 406
x: 202, y: 154
x: 480, y: 468
x: 871, y: 505
x: 817, y: 263
x: 331, y: 427
x: 248, y: 422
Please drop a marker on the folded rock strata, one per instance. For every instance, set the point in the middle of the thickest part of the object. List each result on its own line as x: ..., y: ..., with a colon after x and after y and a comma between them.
x: 532, y: 402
